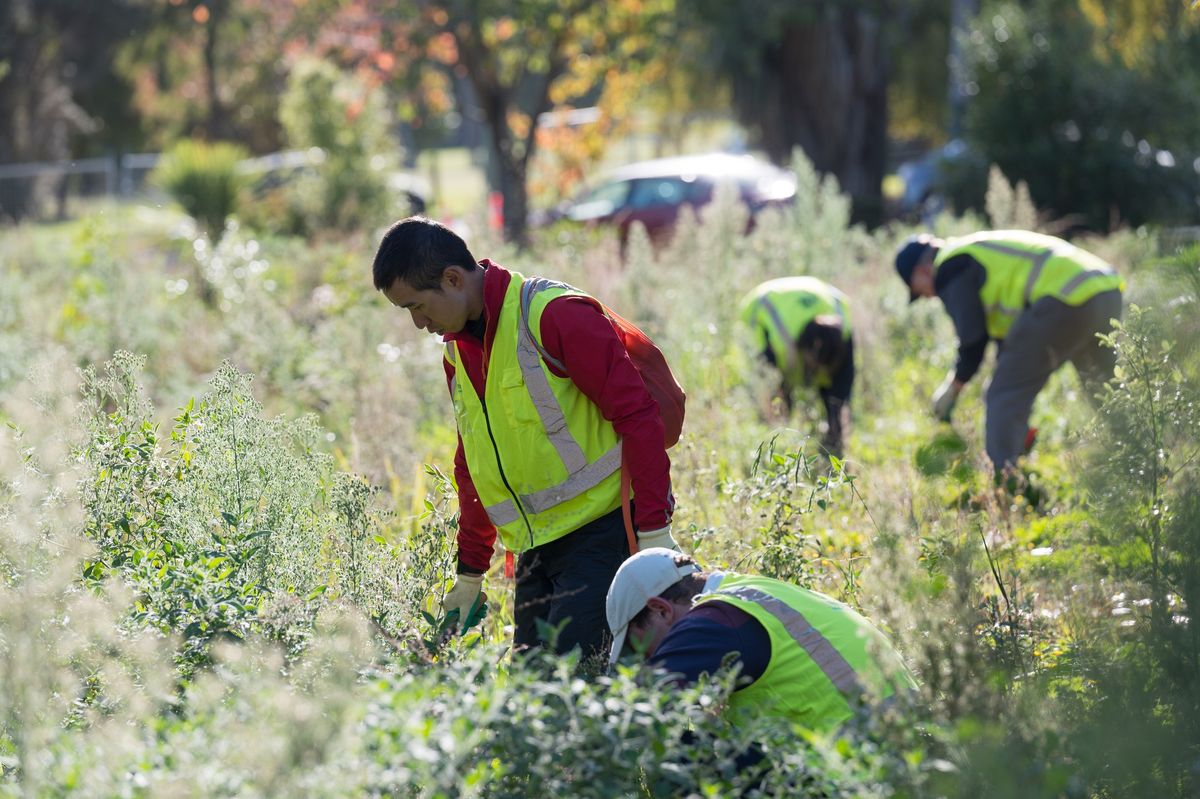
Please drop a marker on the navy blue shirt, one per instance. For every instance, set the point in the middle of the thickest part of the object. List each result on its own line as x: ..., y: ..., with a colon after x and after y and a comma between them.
x: 699, y: 643
x: 957, y: 282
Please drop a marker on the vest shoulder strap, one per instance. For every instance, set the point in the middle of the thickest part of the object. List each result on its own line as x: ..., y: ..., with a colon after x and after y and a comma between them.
x: 530, y: 288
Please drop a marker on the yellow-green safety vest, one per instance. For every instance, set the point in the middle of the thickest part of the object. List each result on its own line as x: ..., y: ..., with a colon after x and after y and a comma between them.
x: 825, y: 658
x: 778, y: 311
x: 1023, y: 267
x: 543, y: 458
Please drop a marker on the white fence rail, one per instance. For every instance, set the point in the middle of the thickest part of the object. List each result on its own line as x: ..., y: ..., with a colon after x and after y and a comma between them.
x: 48, y: 189
x: 53, y: 190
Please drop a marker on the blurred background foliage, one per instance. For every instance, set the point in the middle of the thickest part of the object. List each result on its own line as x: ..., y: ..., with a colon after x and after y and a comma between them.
x: 1092, y: 105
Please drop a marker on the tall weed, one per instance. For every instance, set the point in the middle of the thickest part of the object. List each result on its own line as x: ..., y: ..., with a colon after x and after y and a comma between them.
x: 204, y: 179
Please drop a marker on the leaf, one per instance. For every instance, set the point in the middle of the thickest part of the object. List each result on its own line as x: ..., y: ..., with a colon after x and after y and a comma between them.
x: 936, y: 458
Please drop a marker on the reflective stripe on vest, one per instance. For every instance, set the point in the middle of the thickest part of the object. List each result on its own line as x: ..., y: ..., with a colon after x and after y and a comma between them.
x: 825, y: 661
x: 590, y: 476
x: 1037, y: 264
x: 792, y: 356
x: 1037, y: 261
x: 781, y: 330
x: 1029, y: 266
x: 823, y: 654
x: 1082, y: 278
x: 582, y: 475
x: 802, y: 299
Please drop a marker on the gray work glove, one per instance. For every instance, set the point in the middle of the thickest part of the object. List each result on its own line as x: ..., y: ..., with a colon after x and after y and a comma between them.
x: 656, y: 538
x: 945, y: 397
x: 464, y: 597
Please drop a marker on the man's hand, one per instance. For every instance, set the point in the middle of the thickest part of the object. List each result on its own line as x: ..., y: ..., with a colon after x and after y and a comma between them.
x: 945, y: 397
x: 656, y: 538
x: 466, y: 599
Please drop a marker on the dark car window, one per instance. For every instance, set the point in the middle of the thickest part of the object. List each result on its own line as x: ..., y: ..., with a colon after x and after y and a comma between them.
x: 611, y: 193
x: 649, y: 192
x: 700, y: 190
x: 600, y: 202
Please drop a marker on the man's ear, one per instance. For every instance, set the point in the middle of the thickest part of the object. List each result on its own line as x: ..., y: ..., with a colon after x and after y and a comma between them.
x: 660, y: 606
x: 453, y: 277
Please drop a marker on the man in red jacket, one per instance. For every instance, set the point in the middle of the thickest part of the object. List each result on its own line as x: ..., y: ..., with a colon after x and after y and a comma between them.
x: 547, y: 405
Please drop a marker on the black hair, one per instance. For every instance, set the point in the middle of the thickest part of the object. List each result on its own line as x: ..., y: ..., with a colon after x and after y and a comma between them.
x: 825, y: 338
x: 418, y: 250
x: 683, y: 589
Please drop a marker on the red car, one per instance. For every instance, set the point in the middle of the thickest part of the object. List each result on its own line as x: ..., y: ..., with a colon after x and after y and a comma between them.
x: 653, y: 192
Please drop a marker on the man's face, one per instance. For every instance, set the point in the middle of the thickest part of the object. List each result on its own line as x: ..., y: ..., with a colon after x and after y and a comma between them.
x: 922, y: 278
x: 438, y: 311
x: 662, y: 617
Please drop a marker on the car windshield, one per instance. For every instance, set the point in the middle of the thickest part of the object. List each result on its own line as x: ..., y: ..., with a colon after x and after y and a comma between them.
x: 599, y: 202
x: 657, y: 191
x: 611, y: 194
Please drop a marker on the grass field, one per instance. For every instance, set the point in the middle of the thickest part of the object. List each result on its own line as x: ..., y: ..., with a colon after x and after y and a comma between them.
x: 225, y: 526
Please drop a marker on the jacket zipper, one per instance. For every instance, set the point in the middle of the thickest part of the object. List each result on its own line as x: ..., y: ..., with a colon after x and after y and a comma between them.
x: 500, y: 467
x: 487, y: 359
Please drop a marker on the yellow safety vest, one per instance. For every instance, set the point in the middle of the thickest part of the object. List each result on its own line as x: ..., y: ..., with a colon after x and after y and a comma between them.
x: 778, y: 311
x: 543, y: 458
x: 825, y: 657
x: 1023, y: 267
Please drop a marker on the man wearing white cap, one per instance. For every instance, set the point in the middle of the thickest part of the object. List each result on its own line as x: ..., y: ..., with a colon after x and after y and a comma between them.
x: 802, y: 655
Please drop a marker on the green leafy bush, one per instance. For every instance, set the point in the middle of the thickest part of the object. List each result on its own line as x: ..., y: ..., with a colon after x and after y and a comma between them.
x: 234, y: 524
x: 1053, y: 106
x: 348, y: 189
x: 203, y: 177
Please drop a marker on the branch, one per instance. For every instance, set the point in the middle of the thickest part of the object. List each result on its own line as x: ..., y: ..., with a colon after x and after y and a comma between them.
x: 556, y: 66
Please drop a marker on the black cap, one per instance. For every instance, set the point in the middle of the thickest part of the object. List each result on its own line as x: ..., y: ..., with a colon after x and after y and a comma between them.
x: 908, y: 256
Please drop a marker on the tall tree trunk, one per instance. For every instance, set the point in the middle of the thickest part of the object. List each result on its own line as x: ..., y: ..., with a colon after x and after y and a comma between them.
x: 510, y: 154
x: 508, y: 165
x: 516, y: 200
x: 961, y: 14
x: 823, y: 87
x: 40, y: 113
x: 215, y: 125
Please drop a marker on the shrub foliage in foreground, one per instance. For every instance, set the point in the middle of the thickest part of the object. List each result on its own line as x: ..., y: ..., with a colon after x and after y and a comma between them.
x: 213, y: 605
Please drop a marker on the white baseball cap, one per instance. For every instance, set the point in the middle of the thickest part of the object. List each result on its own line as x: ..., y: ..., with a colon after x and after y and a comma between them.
x: 647, y: 574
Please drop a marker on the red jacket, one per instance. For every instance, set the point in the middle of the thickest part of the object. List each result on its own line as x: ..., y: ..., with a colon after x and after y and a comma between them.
x: 578, y: 334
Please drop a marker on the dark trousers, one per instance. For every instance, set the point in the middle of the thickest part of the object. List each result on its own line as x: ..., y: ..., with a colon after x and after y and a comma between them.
x: 566, y: 580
